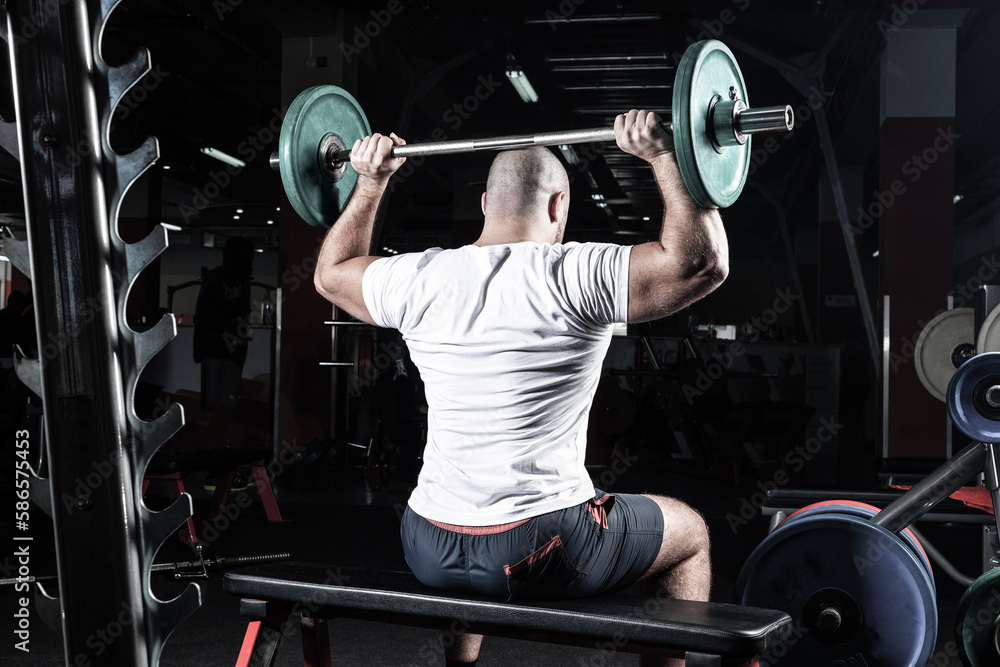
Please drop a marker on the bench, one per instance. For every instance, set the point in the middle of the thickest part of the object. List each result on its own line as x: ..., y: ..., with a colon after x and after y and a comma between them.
x: 707, y: 633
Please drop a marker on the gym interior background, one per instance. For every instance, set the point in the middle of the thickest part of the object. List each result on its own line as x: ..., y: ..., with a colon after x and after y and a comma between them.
x: 858, y: 248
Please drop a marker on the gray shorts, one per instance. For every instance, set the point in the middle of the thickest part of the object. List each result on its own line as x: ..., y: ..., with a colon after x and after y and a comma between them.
x: 600, y: 546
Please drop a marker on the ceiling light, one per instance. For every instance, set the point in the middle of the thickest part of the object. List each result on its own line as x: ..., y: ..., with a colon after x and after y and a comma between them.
x: 959, y: 198
x: 171, y: 228
x: 166, y: 166
x: 875, y: 254
x: 593, y: 18
x: 270, y: 222
x: 239, y: 210
x: 609, y: 68
x: 520, y: 81
x: 223, y: 157
x: 236, y: 217
x: 645, y: 218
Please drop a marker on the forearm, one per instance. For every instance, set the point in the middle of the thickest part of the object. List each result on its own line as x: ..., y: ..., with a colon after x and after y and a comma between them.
x: 351, y: 235
x: 693, y: 236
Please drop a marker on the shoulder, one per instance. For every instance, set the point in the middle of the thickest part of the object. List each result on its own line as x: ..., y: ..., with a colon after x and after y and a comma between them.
x: 408, y: 260
x: 588, y: 253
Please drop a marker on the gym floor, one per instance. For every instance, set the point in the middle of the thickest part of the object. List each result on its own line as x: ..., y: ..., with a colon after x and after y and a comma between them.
x: 332, y: 516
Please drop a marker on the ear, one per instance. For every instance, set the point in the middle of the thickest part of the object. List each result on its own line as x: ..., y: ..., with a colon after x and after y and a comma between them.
x: 483, y: 203
x: 557, y: 204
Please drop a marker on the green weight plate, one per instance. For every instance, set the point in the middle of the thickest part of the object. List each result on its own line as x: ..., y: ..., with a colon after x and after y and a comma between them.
x: 713, y: 176
x: 316, y: 114
x: 976, y: 628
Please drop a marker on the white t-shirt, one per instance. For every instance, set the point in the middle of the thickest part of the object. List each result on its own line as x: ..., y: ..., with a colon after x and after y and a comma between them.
x: 509, y: 340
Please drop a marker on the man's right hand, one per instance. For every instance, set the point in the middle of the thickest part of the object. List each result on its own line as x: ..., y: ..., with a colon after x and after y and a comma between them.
x: 640, y: 133
x: 371, y: 157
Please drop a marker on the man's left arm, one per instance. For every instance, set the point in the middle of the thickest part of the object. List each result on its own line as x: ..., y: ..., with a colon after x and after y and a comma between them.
x: 344, y: 256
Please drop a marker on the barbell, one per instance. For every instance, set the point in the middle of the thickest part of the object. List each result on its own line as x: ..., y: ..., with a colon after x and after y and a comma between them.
x: 710, y: 121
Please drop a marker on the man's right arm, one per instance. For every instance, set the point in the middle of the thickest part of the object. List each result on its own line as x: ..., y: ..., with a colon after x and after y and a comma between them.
x: 691, y: 257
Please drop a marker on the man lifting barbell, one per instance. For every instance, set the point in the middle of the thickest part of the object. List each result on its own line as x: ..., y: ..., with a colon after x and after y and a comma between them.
x: 509, y: 334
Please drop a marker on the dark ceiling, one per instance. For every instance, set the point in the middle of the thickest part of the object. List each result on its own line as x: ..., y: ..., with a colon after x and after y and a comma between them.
x: 218, y: 69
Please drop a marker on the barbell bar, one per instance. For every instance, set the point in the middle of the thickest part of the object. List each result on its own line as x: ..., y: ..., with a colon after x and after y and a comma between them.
x: 711, y: 124
x: 746, y: 123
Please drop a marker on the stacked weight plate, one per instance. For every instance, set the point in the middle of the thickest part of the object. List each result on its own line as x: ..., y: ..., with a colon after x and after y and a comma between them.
x: 858, y: 594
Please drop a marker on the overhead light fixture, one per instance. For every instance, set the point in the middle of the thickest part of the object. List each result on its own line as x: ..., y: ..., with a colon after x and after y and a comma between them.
x: 567, y: 151
x: 603, y: 18
x: 239, y: 210
x: 519, y: 80
x: 236, y: 217
x: 645, y: 218
x: 166, y: 166
x: 875, y: 254
x: 270, y: 222
x: 258, y: 250
x: 959, y: 198
x: 223, y: 157
x: 171, y: 228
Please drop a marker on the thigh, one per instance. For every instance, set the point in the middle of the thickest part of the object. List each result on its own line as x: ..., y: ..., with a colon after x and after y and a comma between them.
x: 684, y: 533
x: 628, y: 531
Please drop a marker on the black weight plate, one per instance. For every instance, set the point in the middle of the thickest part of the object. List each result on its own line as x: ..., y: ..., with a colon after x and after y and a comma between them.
x: 880, y: 586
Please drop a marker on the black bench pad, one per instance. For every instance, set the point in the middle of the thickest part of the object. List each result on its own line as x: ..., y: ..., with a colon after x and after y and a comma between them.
x: 717, y: 629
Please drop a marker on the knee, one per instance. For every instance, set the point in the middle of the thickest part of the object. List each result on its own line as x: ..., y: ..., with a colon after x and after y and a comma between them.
x: 683, y: 523
x: 700, y: 537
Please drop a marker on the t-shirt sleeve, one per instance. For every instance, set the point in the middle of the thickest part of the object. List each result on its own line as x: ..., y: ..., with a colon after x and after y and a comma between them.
x: 595, y: 279
x: 386, y: 286
x: 381, y: 287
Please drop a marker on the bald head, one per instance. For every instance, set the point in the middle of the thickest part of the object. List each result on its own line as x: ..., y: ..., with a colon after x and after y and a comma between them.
x: 527, y: 188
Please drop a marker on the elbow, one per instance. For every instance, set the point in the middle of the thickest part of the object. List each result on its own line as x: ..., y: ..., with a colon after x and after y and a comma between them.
x: 716, y: 270
x: 710, y: 268
x: 325, y: 282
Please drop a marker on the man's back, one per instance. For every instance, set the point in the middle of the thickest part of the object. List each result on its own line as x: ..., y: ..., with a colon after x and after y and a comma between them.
x: 509, y: 340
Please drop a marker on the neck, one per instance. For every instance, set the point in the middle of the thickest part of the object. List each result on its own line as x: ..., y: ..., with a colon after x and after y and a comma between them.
x: 505, y: 232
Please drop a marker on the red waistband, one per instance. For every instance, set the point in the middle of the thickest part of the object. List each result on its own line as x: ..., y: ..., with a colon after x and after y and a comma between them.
x: 480, y: 530
x: 598, y: 508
